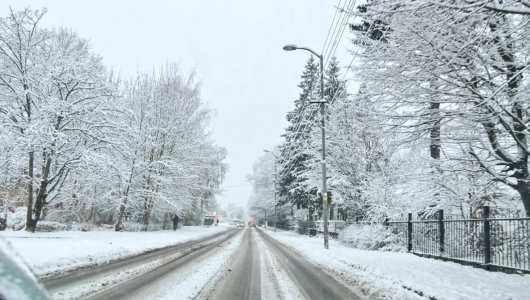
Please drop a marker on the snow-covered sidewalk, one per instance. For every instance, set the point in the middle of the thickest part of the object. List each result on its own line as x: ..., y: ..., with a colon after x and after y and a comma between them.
x: 54, y: 252
x: 390, y: 275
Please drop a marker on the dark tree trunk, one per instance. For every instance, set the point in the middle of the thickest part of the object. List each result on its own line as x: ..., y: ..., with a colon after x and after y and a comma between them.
x: 29, y: 204
x: 40, y: 200
x: 31, y: 161
x: 435, y: 147
x: 119, y: 222
x: 523, y: 187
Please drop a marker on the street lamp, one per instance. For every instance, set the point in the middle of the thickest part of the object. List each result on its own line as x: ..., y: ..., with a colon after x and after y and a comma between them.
x: 322, y: 102
x: 275, y: 182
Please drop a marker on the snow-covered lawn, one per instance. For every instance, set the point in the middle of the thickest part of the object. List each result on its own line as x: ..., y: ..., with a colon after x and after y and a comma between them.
x: 391, y: 275
x: 53, y: 252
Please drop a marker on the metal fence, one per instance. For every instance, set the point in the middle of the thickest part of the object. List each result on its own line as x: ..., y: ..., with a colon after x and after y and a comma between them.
x: 491, y: 242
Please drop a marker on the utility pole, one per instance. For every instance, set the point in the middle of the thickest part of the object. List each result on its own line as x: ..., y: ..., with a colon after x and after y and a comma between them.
x: 323, y: 127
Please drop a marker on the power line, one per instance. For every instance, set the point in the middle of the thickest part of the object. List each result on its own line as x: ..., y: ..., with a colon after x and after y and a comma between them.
x: 331, y: 26
x: 335, y: 28
x: 338, y: 39
x: 291, y: 164
x: 340, y: 94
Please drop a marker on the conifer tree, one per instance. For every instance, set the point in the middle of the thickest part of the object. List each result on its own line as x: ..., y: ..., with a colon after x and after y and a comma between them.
x: 296, y: 150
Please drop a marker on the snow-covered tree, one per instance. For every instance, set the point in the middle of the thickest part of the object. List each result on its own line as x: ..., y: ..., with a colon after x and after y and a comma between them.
x: 55, y: 93
x: 296, y: 151
x: 263, y: 185
x: 456, y: 78
x: 80, y: 145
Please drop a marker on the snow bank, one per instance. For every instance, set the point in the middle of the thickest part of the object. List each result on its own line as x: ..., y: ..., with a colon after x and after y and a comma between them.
x: 391, y: 275
x: 49, y: 253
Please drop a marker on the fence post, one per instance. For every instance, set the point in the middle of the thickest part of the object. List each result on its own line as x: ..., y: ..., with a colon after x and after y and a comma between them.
x: 409, y: 233
x: 487, y: 234
x: 441, y: 230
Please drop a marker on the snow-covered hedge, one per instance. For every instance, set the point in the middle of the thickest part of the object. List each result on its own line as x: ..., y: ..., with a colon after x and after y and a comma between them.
x: 49, y: 226
x: 372, y: 237
x: 17, y: 220
x: 63, y: 216
x: 133, y: 226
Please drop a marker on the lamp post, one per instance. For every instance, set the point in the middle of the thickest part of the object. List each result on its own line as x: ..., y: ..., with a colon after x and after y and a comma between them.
x: 275, y: 182
x: 322, y: 103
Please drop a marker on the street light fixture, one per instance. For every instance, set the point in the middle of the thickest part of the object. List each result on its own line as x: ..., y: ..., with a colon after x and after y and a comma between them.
x: 322, y: 102
x: 275, y: 182
x: 289, y: 47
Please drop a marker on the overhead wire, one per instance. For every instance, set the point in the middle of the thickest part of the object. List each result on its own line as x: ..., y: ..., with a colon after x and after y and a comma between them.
x: 338, y: 39
x: 341, y: 93
x: 340, y: 20
x: 337, y: 30
x: 327, y: 46
x: 337, y: 10
x: 289, y: 166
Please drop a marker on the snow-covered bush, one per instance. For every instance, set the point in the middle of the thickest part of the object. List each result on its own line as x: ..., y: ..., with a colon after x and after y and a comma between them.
x: 48, y: 226
x: 80, y: 227
x: 302, y: 227
x: 17, y: 220
x: 372, y: 237
x: 62, y: 216
x: 133, y: 226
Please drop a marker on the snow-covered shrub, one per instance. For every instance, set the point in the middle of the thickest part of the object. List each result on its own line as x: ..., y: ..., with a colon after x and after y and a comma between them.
x: 48, y: 226
x: 373, y: 237
x: 133, y: 226
x: 17, y: 220
x: 302, y: 227
x: 80, y: 227
x: 62, y: 216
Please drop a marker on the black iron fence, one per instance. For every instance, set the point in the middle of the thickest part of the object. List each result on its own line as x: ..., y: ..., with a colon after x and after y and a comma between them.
x: 492, y: 243
x: 314, y: 227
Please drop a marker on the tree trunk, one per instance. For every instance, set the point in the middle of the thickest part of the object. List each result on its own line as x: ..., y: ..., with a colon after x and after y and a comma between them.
x: 29, y: 204
x: 40, y: 200
x: 119, y: 222
x: 148, y: 204
x: 435, y: 153
x: 523, y: 187
x: 435, y: 131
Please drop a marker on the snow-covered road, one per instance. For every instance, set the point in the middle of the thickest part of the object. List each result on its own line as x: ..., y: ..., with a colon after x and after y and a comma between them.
x: 180, y: 276
x: 265, y: 269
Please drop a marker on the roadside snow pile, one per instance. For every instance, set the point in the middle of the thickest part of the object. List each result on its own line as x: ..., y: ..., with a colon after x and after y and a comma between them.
x: 51, y: 253
x: 392, y: 275
x: 372, y: 237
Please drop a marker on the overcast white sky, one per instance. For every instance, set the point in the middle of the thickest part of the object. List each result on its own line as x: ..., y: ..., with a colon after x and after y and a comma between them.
x: 235, y: 46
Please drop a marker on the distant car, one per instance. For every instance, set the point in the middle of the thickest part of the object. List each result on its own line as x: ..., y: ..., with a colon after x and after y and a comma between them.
x: 241, y: 224
x: 16, y: 281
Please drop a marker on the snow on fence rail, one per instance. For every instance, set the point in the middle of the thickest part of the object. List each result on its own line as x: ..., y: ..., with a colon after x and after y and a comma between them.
x: 491, y: 243
x: 312, y: 227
